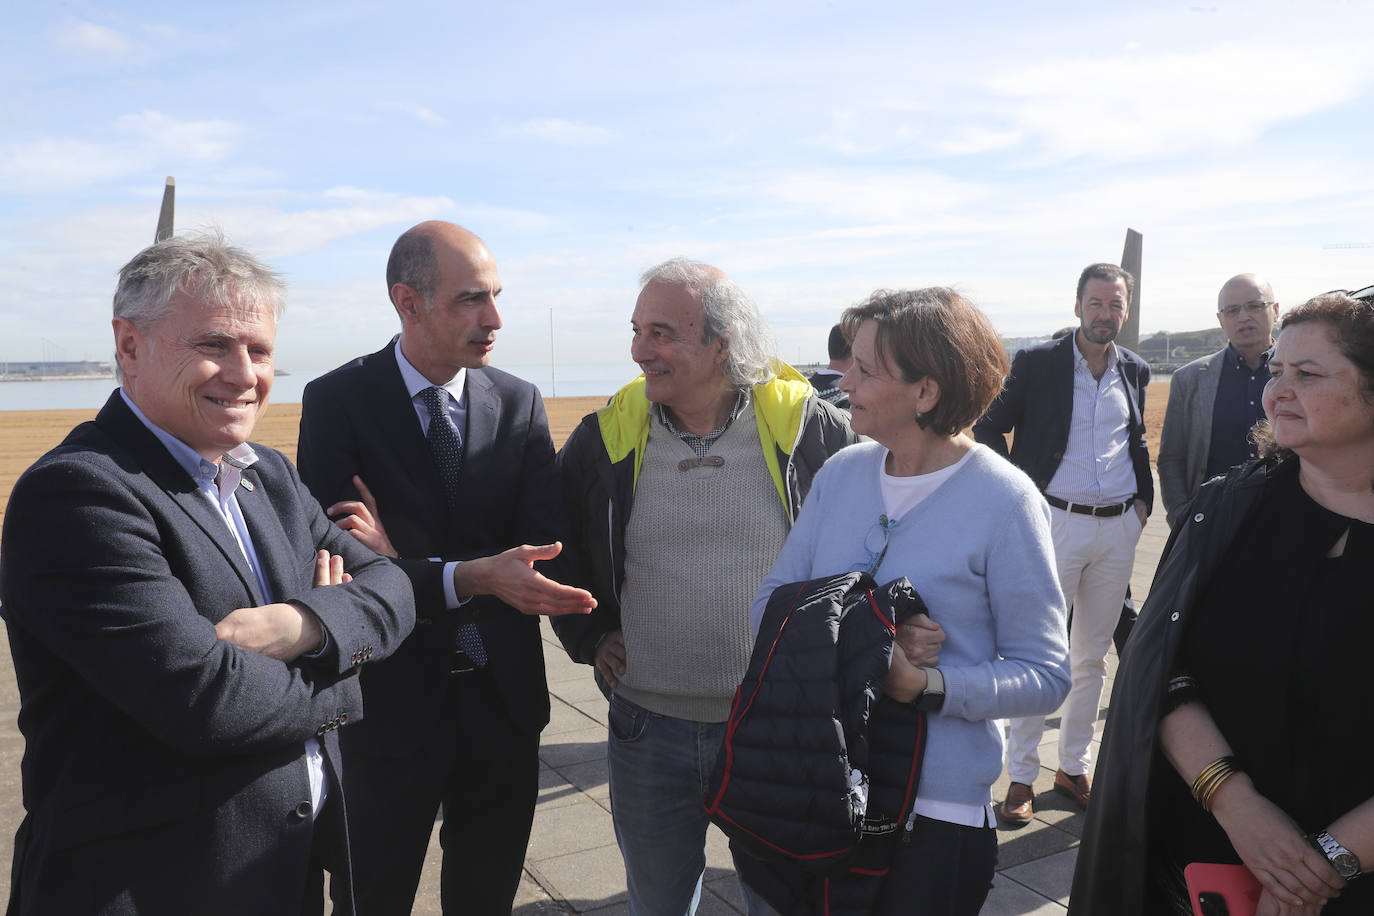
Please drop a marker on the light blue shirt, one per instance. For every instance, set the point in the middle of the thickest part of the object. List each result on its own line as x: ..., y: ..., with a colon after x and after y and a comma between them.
x: 1096, y: 469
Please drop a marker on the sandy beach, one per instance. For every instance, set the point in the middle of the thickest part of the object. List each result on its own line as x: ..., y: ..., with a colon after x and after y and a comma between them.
x: 27, y: 434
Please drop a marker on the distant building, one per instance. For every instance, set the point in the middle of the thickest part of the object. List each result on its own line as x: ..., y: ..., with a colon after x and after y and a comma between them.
x: 81, y: 368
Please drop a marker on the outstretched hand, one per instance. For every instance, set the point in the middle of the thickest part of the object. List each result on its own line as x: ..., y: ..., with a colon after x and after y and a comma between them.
x: 361, y: 519
x: 511, y: 576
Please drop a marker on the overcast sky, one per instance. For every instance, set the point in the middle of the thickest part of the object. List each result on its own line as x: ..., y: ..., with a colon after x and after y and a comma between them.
x: 815, y: 151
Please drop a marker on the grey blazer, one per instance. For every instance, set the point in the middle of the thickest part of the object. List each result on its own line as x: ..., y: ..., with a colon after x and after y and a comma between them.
x: 1186, y: 437
x: 164, y: 769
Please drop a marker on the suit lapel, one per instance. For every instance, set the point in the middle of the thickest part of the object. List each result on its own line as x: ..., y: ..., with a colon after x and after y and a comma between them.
x: 389, y: 405
x: 1062, y: 385
x: 164, y: 472
x: 483, y: 416
x: 270, y: 542
x: 1130, y: 376
x: 1207, y: 381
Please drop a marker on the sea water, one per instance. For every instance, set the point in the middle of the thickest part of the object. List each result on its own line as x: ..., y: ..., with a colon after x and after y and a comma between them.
x: 599, y: 380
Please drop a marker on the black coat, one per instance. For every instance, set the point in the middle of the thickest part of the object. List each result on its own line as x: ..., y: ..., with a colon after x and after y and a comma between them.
x: 817, y: 776
x: 1110, y: 876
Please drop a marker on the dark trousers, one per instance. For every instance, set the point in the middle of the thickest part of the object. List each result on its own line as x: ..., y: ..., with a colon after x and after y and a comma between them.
x: 329, y: 853
x: 946, y: 870
x: 485, y: 773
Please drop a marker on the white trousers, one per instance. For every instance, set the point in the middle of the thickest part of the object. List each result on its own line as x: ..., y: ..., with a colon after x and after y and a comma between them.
x: 1094, y: 557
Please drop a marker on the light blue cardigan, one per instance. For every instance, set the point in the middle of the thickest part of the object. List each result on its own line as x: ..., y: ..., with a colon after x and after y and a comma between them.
x: 978, y: 550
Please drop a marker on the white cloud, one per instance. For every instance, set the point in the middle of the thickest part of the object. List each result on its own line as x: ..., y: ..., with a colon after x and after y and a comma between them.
x: 52, y: 163
x: 566, y: 133
x: 144, y: 141
x: 893, y: 197
x: 92, y: 38
x: 177, y: 139
x: 277, y: 233
x: 970, y: 139
x: 1138, y: 105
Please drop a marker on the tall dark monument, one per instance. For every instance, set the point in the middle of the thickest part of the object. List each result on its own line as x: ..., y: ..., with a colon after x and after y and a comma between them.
x: 164, y: 219
x: 1130, y: 261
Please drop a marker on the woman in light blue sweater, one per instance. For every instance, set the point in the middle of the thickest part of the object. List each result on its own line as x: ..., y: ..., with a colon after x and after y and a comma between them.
x: 972, y: 533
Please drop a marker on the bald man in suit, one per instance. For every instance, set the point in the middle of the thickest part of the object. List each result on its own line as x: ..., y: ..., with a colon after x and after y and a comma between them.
x: 430, y: 456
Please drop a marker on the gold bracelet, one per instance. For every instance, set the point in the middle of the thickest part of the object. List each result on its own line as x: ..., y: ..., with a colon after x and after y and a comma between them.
x: 1207, y: 783
x: 1210, y: 780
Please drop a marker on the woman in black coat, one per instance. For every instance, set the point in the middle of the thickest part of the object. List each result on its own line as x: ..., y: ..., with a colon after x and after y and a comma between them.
x: 1240, y: 728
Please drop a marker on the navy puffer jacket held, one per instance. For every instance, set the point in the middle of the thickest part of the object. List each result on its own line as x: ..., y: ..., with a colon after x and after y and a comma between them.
x: 817, y: 775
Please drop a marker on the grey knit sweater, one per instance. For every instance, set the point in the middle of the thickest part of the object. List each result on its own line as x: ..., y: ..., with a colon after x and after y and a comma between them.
x: 698, y: 543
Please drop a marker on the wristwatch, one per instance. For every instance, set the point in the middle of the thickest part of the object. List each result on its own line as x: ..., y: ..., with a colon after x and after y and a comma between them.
x: 932, y: 699
x: 1346, y: 863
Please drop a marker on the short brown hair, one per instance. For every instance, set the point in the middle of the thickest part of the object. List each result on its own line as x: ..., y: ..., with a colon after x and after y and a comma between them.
x: 1109, y: 272
x: 938, y: 333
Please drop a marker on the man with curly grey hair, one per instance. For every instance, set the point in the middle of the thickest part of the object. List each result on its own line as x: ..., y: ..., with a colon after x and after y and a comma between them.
x: 680, y: 493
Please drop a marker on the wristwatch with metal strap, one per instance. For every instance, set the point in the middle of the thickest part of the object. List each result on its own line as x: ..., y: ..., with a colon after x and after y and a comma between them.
x: 1346, y: 863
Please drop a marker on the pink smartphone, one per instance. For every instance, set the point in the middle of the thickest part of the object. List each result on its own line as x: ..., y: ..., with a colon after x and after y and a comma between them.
x: 1221, y: 890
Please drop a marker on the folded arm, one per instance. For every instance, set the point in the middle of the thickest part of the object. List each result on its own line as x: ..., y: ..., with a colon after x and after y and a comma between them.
x: 1267, y: 840
x: 124, y: 590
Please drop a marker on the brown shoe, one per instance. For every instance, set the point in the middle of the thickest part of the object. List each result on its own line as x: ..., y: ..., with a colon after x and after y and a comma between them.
x: 1017, y: 810
x: 1079, y: 788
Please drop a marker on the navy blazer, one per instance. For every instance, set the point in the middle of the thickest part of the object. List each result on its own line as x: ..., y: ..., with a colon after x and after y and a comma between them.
x: 1037, y: 402
x: 359, y: 419
x: 164, y: 769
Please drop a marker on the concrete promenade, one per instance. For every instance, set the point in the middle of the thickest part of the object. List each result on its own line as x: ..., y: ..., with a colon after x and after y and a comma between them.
x: 574, y: 866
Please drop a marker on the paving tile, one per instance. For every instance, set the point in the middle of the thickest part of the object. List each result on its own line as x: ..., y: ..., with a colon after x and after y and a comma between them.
x: 721, y: 897
x: 1009, y: 898
x: 726, y: 889
x: 533, y: 900
x: 568, y: 829
x: 718, y: 858
x: 596, y: 709
x: 555, y: 790
x: 1050, y: 877
x: 1033, y: 841
x: 580, y: 688
x: 591, y: 777
x: 565, y: 718
x: 427, y: 894
x: 574, y: 747
x: 588, y: 880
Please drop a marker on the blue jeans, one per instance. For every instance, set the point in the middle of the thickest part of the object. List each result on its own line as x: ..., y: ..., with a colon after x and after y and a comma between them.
x: 659, y: 768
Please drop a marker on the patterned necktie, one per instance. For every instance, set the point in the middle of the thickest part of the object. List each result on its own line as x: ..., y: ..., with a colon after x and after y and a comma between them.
x: 446, y: 446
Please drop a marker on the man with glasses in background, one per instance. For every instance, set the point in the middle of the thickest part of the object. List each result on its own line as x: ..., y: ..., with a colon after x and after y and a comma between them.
x: 1215, y: 400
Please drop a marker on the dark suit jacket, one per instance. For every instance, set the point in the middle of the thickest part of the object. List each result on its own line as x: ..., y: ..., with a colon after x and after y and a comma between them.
x: 163, y: 768
x: 360, y: 420
x: 1037, y: 402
